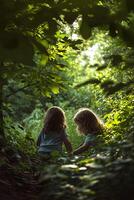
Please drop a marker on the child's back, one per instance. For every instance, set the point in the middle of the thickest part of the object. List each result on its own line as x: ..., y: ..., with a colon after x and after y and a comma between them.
x: 52, y: 141
x: 53, y: 134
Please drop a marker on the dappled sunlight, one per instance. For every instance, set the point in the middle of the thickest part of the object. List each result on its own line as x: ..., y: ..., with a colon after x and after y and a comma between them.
x: 92, y: 53
x: 66, y: 100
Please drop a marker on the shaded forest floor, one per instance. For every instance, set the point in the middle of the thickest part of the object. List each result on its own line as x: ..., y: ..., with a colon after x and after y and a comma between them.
x: 17, y: 186
x: 16, y: 182
x: 32, y: 179
x: 81, y: 178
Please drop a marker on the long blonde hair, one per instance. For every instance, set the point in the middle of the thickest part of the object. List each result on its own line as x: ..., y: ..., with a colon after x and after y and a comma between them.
x: 88, y: 122
x: 54, y: 120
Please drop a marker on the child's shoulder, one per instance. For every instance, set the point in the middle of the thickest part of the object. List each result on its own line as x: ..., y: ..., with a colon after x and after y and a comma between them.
x: 90, y: 137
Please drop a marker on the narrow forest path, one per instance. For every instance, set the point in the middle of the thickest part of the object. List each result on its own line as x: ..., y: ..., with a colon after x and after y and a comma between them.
x: 36, y: 180
x: 81, y: 178
x: 18, y: 186
x: 18, y: 181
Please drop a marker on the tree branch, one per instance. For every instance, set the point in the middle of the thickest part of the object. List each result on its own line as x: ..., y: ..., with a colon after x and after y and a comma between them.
x: 20, y: 89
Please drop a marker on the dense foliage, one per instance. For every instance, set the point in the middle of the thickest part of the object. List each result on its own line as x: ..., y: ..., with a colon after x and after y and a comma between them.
x: 72, y: 54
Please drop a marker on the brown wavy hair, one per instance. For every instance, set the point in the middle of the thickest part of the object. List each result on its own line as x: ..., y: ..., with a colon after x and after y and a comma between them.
x: 55, y: 120
x: 88, y: 122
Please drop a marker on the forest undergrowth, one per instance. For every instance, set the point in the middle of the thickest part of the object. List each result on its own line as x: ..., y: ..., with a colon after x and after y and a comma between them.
x: 106, y: 172
x: 103, y: 172
x: 71, y: 54
x: 79, y: 177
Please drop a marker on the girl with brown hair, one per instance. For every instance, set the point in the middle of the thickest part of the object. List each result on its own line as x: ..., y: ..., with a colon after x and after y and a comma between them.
x: 53, y: 134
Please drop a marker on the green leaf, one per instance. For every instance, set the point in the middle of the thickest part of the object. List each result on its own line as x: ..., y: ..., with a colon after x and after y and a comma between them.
x: 43, y: 60
x: 94, y: 165
x: 47, y: 94
x: 69, y: 167
x: 55, y: 90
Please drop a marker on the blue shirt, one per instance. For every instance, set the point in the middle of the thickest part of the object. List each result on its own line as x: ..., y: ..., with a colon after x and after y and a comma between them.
x: 90, y: 139
x: 51, y: 141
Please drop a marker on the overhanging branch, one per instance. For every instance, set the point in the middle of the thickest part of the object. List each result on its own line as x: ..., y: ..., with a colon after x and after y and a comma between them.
x: 20, y: 89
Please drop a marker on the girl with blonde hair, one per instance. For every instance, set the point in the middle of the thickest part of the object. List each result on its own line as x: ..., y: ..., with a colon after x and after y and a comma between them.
x: 88, y: 124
